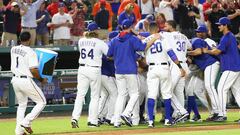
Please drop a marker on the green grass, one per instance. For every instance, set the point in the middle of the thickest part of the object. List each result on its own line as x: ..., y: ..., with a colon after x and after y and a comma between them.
x: 62, y: 125
x: 208, y: 132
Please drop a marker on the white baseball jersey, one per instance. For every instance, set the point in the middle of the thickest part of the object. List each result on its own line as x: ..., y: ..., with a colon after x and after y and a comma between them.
x: 180, y: 44
x: 22, y: 59
x: 157, y: 53
x: 91, y: 51
x: 210, y: 42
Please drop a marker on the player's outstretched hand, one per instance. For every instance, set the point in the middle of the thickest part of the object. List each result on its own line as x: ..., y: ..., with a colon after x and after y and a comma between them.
x: 183, y: 72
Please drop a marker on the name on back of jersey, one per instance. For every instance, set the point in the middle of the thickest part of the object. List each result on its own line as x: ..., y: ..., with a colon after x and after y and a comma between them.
x: 19, y: 51
x: 87, y: 43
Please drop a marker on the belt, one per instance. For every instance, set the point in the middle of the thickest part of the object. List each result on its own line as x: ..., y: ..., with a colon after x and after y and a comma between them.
x: 84, y: 65
x: 164, y: 63
x: 29, y: 28
x: 21, y: 76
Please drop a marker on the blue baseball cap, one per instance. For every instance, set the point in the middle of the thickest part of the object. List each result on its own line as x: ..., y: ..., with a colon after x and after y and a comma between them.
x: 144, y: 34
x: 61, y: 4
x: 202, y: 28
x: 223, y: 21
x: 92, y: 26
x: 112, y: 34
x: 150, y: 18
x: 126, y: 24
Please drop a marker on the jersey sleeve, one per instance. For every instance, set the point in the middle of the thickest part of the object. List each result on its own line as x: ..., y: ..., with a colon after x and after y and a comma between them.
x: 111, y: 49
x: 32, y: 59
x: 222, y: 45
x: 138, y: 44
x: 104, y: 48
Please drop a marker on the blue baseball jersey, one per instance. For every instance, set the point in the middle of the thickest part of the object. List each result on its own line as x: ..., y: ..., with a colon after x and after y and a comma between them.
x: 123, y: 50
x: 124, y: 16
x: 229, y: 57
x: 108, y: 68
x: 203, y: 60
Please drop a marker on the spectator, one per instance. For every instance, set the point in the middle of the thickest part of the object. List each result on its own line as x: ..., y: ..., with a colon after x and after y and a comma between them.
x: 43, y: 18
x: 160, y: 20
x: 78, y: 12
x: 53, y: 7
x: 10, y: 23
x: 146, y: 6
x: 62, y: 23
x: 127, y: 14
x: 143, y: 25
x: 165, y: 7
x: 136, y: 9
x: 200, y: 21
x: 187, y: 14
x: 29, y: 22
x: 207, y: 8
x: 234, y: 15
x: 213, y: 18
x: 102, y: 8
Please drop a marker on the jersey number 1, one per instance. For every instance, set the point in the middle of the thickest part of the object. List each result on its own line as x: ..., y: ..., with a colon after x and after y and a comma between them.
x: 84, y: 54
x: 16, y: 62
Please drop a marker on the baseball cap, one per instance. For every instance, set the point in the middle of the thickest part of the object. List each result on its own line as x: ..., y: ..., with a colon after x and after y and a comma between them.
x: 14, y: 4
x: 223, y: 21
x: 92, y: 26
x: 150, y: 18
x: 61, y: 4
x: 202, y: 28
x: 144, y: 34
x: 126, y: 24
x: 112, y: 34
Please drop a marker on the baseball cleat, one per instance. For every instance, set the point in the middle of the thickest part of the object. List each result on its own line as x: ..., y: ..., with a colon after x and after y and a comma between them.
x: 196, y: 118
x: 220, y: 119
x: 169, y: 122
x: 127, y: 120
x: 151, y: 124
x: 108, y: 122
x: 74, y: 123
x: 212, y: 117
x: 238, y: 121
x: 28, y: 129
x: 181, y: 117
x: 117, y: 126
x: 92, y: 125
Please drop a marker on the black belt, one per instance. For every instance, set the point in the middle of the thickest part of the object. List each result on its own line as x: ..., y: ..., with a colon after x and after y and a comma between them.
x: 180, y: 61
x: 29, y: 28
x: 21, y: 76
x: 83, y: 65
x: 164, y: 63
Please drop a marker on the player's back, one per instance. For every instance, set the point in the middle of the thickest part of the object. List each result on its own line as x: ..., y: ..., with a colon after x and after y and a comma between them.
x: 157, y: 53
x: 180, y: 44
x: 22, y: 59
x: 91, y: 51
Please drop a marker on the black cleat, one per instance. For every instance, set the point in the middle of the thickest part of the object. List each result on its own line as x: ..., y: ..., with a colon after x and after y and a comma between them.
x: 196, y: 118
x: 28, y: 129
x: 92, y: 125
x: 220, y: 119
x: 181, y: 117
x: 74, y: 123
x: 127, y: 120
x: 212, y: 117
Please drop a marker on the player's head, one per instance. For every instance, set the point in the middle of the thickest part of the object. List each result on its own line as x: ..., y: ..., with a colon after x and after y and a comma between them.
x: 25, y: 37
x: 201, y: 31
x: 112, y: 34
x: 92, y: 30
x: 153, y: 28
x: 170, y: 26
x: 126, y: 24
x: 224, y: 24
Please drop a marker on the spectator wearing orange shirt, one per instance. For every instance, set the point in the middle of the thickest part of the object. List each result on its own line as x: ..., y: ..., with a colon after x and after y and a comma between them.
x: 108, y: 7
x: 53, y: 7
x: 136, y: 9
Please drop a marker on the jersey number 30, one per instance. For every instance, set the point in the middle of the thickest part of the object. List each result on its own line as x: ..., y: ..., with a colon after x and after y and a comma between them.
x: 156, y: 48
x: 85, y: 54
x: 181, y: 46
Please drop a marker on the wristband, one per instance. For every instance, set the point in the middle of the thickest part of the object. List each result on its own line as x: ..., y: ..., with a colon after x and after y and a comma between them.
x: 179, y: 65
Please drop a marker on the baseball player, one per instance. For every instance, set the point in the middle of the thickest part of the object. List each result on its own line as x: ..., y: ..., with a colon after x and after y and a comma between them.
x: 89, y: 74
x: 24, y: 66
x: 123, y: 50
x: 157, y: 57
x: 180, y: 44
x: 108, y: 88
x: 229, y: 65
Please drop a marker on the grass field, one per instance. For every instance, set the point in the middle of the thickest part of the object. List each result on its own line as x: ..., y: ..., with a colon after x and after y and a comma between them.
x: 58, y: 125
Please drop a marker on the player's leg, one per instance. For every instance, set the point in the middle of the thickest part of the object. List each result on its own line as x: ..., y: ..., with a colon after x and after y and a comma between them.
x: 210, y: 75
x: 133, y: 90
x: 111, y: 87
x: 235, y: 90
x: 153, y: 90
x: 142, y: 96
x: 22, y: 100
x: 82, y: 86
x: 95, y: 85
x: 103, y: 104
x: 226, y: 81
x: 121, y: 98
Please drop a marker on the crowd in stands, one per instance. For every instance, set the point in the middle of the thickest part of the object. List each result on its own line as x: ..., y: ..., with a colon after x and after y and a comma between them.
x: 63, y: 22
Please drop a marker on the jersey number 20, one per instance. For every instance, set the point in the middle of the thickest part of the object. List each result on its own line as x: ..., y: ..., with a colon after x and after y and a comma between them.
x: 85, y: 54
x: 156, y: 48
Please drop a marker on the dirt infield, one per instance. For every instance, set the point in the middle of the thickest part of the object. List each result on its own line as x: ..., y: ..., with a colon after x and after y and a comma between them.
x: 157, y: 130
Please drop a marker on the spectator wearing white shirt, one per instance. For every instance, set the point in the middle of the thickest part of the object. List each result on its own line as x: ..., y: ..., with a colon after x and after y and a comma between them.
x: 62, y: 23
x: 146, y: 6
x: 165, y: 7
